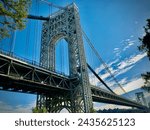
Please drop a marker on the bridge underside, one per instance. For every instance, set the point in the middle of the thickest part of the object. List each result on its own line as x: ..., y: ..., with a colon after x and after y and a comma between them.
x: 19, y: 76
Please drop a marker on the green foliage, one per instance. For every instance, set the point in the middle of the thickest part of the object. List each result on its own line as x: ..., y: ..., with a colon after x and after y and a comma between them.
x: 146, y: 39
x: 12, y: 15
x: 92, y: 110
x: 36, y: 110
x: 145, y: 46
x: 146, y: 77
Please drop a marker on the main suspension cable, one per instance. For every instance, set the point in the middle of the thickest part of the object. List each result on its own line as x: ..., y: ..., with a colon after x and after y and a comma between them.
x: 101, y: 60
x: 100, y: 79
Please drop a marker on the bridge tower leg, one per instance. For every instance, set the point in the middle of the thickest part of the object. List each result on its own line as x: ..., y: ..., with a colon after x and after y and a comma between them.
x: 65, y: 24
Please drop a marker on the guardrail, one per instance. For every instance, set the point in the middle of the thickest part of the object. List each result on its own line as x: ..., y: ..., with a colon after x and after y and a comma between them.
x: 34, y: 63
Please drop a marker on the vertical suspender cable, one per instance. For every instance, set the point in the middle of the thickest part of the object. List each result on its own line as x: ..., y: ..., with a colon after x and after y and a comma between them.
x: 99, y: 57
x: 37, y: 36
x: 49, y: 32
x: 9, y: 40
x: 27, y: 47
x: 10, y: 43
x: 34, y: 6
x: 13, y: 42
x: 35, y: 33
x: 28, y: 37
x: 61, y: 54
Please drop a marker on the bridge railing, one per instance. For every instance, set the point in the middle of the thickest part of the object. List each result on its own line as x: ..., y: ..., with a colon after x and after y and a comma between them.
x: 34, y: 63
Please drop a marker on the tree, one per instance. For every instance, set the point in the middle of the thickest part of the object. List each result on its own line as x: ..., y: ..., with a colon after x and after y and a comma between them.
x: 12, y: 16
x: 92, y: 110
x: 36, y: 110
x: 145, y: 46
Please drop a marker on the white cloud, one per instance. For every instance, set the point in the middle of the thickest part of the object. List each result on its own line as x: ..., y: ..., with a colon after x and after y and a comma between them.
x: 127, y: 40
x: 100, y: 68
x: 4, y: 107
x: 127, y: 43
x: 124, y: 70
x: 130, y: 86
x: 93, y: 79
x: 123, y: 81
x: 117, y: 51
x: 106, y: 75
x: 113, y: 62
x: 131, y: 61
x: 130, y: 43
x: 131, y: 36
x: 122, y: 67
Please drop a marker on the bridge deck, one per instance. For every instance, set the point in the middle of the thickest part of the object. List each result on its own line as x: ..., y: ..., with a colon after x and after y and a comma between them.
x: 20, y: 76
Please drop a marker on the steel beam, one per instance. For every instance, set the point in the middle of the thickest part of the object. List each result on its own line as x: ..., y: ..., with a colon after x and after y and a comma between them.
x: 19, y: 79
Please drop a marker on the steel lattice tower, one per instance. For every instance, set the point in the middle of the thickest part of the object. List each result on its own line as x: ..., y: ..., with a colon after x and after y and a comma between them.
x: 65, y: 24
x: 140, y: 98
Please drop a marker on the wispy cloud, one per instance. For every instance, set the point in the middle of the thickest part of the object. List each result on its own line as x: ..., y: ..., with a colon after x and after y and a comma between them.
x: 113, y: 62
x: 121, y: 68
x: 7, y: 108
x: 131, y: 85
x: 100, y: 68
x: 123, y: 81
x: 131, y: 61
x: 125, y: 65
x: 117, y: 51
x: 126, y: 44
x: 129, y: 44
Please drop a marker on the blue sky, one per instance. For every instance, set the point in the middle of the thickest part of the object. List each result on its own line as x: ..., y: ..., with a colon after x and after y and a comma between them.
x: 113, y: 26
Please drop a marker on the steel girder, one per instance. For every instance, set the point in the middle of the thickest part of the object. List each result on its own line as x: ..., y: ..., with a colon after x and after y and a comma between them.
x: 101, y: 95
x: 29, y: 77
x: 20, y: 76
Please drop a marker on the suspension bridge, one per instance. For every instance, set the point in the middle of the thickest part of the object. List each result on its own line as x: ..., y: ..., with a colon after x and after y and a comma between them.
x: 57, y: 90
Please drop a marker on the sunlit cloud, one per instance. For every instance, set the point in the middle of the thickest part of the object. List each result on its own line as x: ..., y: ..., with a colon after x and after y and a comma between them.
x: 113, y: 62
x: 121, y: 68
x: 131, y: 61
x: 100, y: 68
x: 130, y: 86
